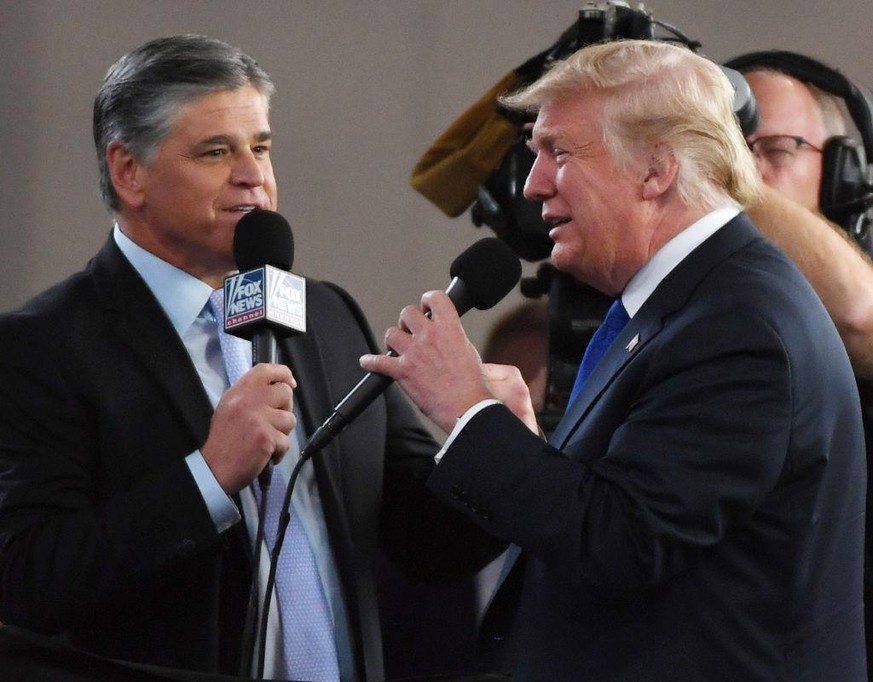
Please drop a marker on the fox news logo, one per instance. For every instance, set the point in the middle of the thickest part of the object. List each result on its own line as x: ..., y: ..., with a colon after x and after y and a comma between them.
x: 265, y: 294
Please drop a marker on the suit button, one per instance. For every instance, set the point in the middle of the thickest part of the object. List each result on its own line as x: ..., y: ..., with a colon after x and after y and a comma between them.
x: 458, y: 494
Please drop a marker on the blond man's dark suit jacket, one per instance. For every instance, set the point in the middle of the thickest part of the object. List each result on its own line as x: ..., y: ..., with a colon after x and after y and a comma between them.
x: 699, y: 513
x: 104, y: 537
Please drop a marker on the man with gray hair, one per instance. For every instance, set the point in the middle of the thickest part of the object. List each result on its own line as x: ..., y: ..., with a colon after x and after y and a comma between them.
x: 129, y: 454
x: 808, y: 157
x: 792, y: 162
x: 698, y: 513
x: 802, y: 147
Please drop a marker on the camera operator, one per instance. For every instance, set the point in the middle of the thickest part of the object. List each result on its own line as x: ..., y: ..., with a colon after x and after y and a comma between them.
x: 804, y: 117
x: 798, y: 120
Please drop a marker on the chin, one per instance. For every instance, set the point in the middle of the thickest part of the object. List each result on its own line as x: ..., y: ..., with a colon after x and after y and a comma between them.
x: 563, y: 259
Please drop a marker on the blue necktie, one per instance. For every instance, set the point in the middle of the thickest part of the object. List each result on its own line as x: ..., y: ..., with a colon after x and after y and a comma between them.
x: 612, y: 325
x: 309, y: 650
x: 616, y: 319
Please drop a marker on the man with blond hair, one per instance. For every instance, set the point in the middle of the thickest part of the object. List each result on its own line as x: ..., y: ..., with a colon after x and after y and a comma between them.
x: 698, y: 513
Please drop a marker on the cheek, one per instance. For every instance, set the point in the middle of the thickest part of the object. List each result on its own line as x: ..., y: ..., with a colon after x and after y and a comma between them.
x: 188, y: 189
x: 270, y: 187
x: 813, y: 176
x: 797, y: 183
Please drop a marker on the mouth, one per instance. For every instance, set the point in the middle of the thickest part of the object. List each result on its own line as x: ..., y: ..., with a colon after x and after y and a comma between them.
x: 553, y: 218
x: 242, y: 209
x: 556, y: 221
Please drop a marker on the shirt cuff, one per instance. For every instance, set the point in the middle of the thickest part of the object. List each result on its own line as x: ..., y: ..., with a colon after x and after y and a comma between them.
x: 462, y: 422
x: 221, y: 508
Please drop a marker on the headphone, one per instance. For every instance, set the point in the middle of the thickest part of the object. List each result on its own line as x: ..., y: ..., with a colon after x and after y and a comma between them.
x: 846, y: 193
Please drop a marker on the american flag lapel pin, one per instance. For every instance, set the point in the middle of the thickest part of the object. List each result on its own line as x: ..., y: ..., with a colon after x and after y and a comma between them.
x: 632, y: 343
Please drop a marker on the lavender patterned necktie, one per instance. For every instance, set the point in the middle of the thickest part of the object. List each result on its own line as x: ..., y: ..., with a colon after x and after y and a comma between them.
x: 309, y: 650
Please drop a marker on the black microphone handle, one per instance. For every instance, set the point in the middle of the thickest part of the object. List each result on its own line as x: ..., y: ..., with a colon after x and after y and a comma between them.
x: 365, y: 392
x: 265, y: 348
x: 372, y: 385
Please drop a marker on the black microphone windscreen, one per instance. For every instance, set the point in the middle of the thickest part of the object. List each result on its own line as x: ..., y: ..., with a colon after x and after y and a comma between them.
x: 263, y: 238
x: 489, y: 270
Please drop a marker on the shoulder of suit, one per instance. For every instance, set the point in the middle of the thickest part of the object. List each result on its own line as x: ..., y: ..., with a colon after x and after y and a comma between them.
x: 320, y: 292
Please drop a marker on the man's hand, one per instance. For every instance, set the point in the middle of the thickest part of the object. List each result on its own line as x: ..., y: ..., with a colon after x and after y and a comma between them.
x: 507, y: 385
x: 436, y: 364
x: 251, y: 426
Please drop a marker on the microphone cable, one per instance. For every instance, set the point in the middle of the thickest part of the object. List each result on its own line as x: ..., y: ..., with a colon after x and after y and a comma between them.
x: 248, y: 644
x: 284, y: 521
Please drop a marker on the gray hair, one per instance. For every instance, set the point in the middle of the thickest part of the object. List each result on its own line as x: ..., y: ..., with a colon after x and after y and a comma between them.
x: 659, y: 94
x: 144, y: 90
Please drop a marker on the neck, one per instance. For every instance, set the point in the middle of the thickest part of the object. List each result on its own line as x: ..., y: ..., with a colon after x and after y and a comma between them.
x: 671, y: 222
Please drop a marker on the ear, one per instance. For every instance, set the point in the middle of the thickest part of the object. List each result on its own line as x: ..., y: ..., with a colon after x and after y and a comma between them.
x: 125, y: 172
x: 661, y: 173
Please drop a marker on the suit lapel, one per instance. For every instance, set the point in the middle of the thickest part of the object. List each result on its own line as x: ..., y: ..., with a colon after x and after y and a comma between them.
x: 316, y: 403
x: 301, y: 353
x: 141, y: 324
x: 633, y: 338
x: 668, y: 297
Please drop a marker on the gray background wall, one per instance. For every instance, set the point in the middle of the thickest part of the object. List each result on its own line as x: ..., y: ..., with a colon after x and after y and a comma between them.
x: 363, y: 89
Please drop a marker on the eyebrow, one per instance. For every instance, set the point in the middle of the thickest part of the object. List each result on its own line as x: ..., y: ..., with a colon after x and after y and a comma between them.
x: 542, y: 136
x: 228, y: 141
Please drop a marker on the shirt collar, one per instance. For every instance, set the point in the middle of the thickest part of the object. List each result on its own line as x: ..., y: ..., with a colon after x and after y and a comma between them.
x: 181, y: 295
x: 642, y: 284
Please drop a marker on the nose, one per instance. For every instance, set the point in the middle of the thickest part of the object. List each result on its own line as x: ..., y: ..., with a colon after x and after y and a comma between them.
x: 248, y: 170
x: 539, y: 184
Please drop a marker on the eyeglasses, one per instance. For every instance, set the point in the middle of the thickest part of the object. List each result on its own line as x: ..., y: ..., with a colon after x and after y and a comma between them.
x: 779, y: 151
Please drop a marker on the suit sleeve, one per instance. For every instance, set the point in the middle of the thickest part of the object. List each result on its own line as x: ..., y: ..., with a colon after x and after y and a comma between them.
x: 428, y: 538
x: 686, y: 443
x: 80, y: 534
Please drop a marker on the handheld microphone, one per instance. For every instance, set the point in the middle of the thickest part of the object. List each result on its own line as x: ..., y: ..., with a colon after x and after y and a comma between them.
x: 264, y: 301
x: 481, y: 276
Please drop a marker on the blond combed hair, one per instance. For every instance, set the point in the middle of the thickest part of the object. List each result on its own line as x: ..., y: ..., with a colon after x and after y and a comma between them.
x: 659, y: 96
